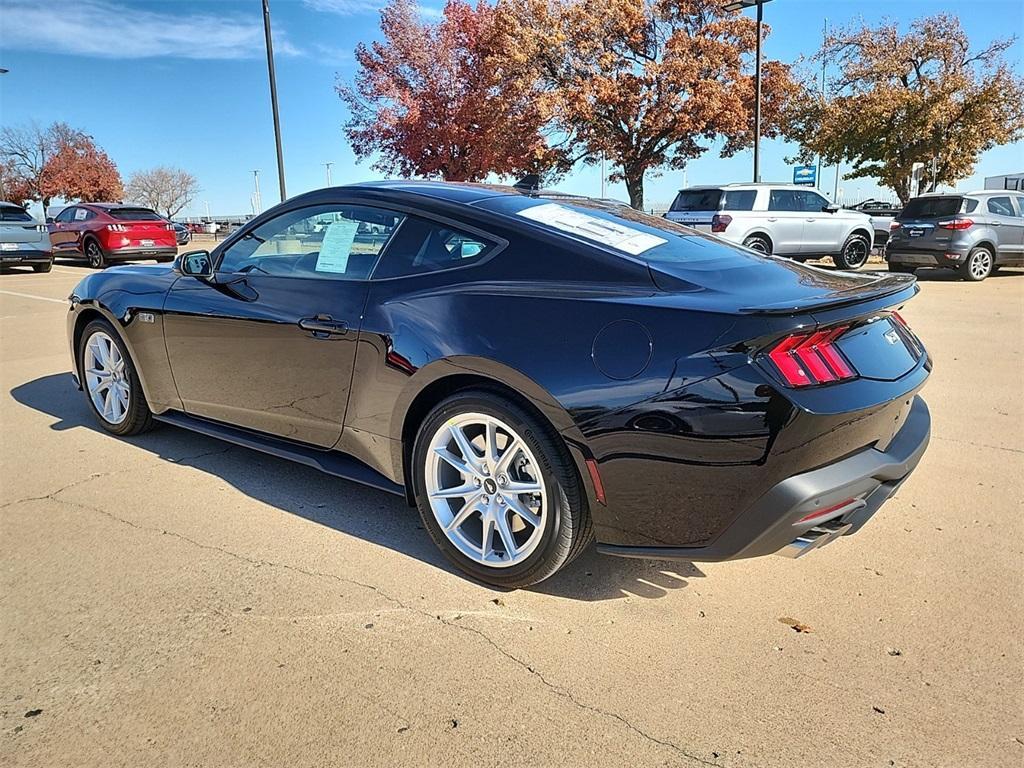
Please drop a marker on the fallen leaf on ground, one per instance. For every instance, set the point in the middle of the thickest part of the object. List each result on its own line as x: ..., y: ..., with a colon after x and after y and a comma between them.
x: 795, y: 625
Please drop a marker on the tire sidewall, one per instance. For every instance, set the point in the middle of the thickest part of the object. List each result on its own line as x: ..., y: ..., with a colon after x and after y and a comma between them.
x: 102, y: 256
x: 558, y: 514
x: 843, y: 262
x: 764, y: 250
x: 138, y: 409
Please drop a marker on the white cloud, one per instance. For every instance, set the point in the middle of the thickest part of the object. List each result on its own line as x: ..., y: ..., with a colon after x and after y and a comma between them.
x: 357, y: 7
x: 106, y: 29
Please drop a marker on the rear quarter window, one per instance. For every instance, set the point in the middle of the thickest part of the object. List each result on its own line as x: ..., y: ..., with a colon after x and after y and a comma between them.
x: 697, y: 200
x: 10, y: 213
x: 740, y: 200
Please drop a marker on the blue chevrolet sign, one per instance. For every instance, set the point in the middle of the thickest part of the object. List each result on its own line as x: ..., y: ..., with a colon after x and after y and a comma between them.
x: 805, y: 174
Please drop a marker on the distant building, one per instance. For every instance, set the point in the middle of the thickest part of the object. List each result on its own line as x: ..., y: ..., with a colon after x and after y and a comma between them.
x: 1010, y: 181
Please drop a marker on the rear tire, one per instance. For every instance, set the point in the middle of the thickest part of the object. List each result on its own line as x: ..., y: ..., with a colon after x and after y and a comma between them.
x: 758, y: 243
x: 94, y: 255
x: 978, y: 265
x: 110, y: 381
x: 855, y: 253
x: 42, y: 267
x: 546, y: 527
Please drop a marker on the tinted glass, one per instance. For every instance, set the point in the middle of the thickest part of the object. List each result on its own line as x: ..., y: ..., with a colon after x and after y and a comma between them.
x: 134, y: 214
x: 931, y: 207
x: 697, y: 200
x: 10, y: 213
x: 970, y: 205
x: 784, y: 200
x: 740, y: 200
x: 423, y: 246
x: 334, y: 242
x: 65, y: 215
x: 1001, y: 206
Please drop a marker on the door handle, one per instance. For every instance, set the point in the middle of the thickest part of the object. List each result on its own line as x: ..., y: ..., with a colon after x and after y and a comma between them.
x: 323, y: 325
x: 773, y: 218
x: 997, y: 223
x: 810, y: 219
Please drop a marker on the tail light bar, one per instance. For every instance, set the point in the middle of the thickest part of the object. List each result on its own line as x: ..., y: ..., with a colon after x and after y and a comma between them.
x: 956, y: 224
x: 807, y: 359
x: 720, y: 221
x: 169, y: 226
x: 117, y: 227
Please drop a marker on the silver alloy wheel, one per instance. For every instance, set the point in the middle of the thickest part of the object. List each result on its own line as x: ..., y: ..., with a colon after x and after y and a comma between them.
x: 856, y: 253
x: 485, y: 489
x: 981, y: 264
x: 106, y: 378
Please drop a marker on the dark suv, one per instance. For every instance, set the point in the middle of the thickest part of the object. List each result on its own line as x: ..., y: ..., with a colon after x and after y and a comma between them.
x: 974, y: 233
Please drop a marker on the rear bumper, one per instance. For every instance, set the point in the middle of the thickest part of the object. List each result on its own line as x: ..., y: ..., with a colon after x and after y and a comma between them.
x: 772, y: 524
x: 925, y: 258
x: 32, y: 256
x: 157, y: 252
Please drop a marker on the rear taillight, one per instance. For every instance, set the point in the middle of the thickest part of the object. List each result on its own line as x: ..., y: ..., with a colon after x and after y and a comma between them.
x: 720, y: 221
x: 909, y: 338
x: 893, y: 226
x: 805, y: 359
x: 169, y: 226
x: 41, y: 228
x: 117, y: 227
x: 956, y: 224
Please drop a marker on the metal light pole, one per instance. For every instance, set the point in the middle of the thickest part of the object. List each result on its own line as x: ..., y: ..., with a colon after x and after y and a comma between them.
x: 257, y: 200
x: 273, y: 97
x: 328, y: 167
x: 738, y: 5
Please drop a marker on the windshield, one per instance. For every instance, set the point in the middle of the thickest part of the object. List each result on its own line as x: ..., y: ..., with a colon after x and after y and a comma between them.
x: 697, y: 200
x: 11, y: 213
x: 931, y: 207
x: 134, y: 214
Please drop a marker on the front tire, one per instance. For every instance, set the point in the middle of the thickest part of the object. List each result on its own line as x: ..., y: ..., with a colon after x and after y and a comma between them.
x: 855, y: 253
x: 497, y: 492
x: 978, y: 265
x: 94, y: 255
x: 111, y: 382
x: 42, y: 267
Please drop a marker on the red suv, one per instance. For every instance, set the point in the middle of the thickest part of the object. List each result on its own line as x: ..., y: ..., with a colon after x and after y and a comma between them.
x: 105, y: 232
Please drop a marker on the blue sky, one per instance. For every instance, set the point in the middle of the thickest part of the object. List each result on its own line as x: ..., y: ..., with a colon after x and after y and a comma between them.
x: 184, y: 83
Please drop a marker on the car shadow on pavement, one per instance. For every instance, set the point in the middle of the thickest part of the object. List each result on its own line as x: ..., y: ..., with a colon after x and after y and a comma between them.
x: 353, y: 509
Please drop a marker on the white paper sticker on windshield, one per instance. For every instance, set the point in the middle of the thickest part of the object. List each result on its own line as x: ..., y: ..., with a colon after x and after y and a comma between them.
x: 337, y: 245
x: 603, y: 231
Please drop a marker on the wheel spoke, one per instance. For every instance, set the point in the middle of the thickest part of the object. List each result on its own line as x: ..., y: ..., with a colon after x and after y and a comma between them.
x: 472, y: 505
x: 508, y: 541
x: 507, y: 455
x: 457, y: 492
x: 487, y: 536
x: 455, y: 461
x: 517, y: 488
x: 468, y: 452
x: 491, y: 444
x: 523, y: 511
x: 108, y: 404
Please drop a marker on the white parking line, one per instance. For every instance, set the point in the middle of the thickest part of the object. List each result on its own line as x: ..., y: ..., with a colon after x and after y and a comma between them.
x: 33, y: 296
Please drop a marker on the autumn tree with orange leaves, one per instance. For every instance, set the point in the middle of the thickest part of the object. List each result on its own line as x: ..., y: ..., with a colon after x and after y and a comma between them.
x: 428, y: 100
x: 907, y: 97
x: 649, y: 84
x: 59, y: 161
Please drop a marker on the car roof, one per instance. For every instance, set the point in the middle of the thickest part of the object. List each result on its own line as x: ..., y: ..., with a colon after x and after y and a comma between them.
x: 457, y: 192
x: 11, y: 205
x: 746, y: 185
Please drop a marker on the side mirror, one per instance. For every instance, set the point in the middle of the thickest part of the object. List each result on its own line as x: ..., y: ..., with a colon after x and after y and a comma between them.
x: 197, y: 264
x: 49, y: 219
x: 830, y: 208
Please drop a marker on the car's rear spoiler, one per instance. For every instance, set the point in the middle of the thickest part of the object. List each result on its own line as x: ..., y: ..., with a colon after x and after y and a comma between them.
x: 884, y: 286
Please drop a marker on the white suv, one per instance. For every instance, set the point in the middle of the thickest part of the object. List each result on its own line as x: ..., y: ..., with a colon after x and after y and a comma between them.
x: 782, y: 219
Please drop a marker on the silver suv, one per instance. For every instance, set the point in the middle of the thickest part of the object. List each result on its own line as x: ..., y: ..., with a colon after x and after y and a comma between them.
x: 783, y: 219
x: 973, y: 233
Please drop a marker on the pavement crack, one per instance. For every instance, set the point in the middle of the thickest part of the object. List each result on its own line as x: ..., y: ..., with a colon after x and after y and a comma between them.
x: 52, y: 494
x: 978, y: 445
x: 566, y: 694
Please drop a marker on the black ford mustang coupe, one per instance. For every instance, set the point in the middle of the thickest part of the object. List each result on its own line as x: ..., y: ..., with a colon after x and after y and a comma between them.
x: 531, y: 371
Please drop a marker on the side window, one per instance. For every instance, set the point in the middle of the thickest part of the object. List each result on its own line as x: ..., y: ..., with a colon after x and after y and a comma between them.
x: 65, y: 216
x: 812, y: 202
x: 1001, y: 206
x: 784, y: 200
x: 1020, y: 206
x: 970, y: 205
x: 741, y: 200
x: 423, y: 246
x: 81, y: 214
x: 333, y: 242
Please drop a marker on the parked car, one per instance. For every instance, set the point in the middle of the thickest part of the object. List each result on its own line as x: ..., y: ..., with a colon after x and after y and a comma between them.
x: 23, y: 240
x: 881, y: 214
x: 104, y: 232
x: 182, y: 234
x: 974, y: 233
x: 780, y: 219
x: 530, y: 372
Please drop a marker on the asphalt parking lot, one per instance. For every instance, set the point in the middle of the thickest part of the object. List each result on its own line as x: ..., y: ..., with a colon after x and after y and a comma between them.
x: 172, y: 600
